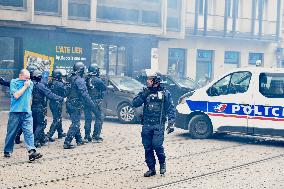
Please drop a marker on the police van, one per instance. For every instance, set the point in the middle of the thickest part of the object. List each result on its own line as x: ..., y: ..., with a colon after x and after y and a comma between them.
x: 246, y: 100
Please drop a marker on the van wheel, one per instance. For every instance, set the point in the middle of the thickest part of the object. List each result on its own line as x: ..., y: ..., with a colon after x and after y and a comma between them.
x: 200, y: 127
x: 126, y: 113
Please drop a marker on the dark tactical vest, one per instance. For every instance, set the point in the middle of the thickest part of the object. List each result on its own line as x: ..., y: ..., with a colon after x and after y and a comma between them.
x: 73, y: 91
x: 39, y: 100
x: 93, y: 90
x: 57, y: 87
x: 153, y: 112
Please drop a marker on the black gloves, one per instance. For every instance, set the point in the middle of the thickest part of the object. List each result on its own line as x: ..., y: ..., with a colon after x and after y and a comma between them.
x: 145, y: 92
x: 170, y: 128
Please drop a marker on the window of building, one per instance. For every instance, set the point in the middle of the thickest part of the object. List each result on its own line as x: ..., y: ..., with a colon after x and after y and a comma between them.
x: 151, y: 17
x: 173, y: 4
x: 173, y: 23
x: 119, y: 14
x: 201, y: 7
x: 13, y: 3
x: 204, y: 65
x: 253, y: 57
x: 174, y: 11
x: 271, y: 85
x: 232, y: 60
x: 234, y: 83
x: 79, y: 9
x: 137, y: 12
x: 153, y: 1
x: 232, y: 5
x: 176, y: 62
x: 51, y: 6
x: 110, y: 58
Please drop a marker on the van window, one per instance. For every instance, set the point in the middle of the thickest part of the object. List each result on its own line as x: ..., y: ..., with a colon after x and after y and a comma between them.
x: 239, y: 82
x: 233, y: 83
x: 220, y: 87
x: 271, y: 85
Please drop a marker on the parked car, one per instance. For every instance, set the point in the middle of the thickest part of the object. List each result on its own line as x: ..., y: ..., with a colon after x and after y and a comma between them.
x: 245, y: 100
x: 176, y: 85
x: 117, y: 101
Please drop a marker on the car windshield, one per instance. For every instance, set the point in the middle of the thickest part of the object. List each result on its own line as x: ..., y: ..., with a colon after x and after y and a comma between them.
x: 127, y: 83
x: 186, y: 83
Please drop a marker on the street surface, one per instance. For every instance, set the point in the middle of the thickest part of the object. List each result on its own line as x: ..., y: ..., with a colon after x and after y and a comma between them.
x: 118, y: 162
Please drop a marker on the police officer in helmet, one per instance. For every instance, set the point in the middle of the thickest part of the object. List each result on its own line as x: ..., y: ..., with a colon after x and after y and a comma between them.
x: 158, y: 105
x: 96, y: 89
x: 76, y: 97
x: 58, y: 87
x: 39, y: 106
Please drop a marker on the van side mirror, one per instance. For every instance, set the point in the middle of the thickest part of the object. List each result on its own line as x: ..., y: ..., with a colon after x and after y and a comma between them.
x: 110, y: 87
x: 212, y: 91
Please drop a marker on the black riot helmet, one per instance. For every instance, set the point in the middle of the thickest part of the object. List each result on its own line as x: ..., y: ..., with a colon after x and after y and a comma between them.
x: 155, y: 76
x: 94, y: 70
x: 36, y: 75
x: 79, y: 67
x: 31, y: 69
x: 57, y: 74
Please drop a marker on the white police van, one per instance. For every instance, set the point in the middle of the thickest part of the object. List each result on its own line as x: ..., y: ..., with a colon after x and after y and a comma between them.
x: 246, y: 100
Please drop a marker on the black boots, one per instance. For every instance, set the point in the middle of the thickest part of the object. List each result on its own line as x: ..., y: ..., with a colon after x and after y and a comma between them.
x: 150, y: 173
x: 87, y: 139
x: 163, y: 168
x: 62, y: 135
x: 98, y: 140
x: 33, y: 155
x: 68, y: 146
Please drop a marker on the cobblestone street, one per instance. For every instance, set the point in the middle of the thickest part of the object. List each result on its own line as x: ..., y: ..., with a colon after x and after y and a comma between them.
x: 118, y: 162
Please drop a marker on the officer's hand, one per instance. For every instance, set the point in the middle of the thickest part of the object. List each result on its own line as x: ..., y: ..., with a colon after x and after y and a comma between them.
x: 65, y: 99
x: 146, y: 92
x: 170, y: 128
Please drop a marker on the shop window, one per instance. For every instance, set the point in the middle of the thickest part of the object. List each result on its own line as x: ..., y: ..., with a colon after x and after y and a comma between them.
x: 253, y: 57
x: 79, y: 9
x: 204, y: 66
x: 9, y: 66
x: 13, y: 3
x: 271, y: 85
x: 51, y: 6
x: 110, y: 58
x: 232, y: 60
x: 176, y: 62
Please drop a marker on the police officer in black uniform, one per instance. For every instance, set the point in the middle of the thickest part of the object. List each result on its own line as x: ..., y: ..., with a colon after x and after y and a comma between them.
x: 77, y: 95
x: 96, y: 89
x: 158, y: 105
x: 58, y: 87
x: 39, y: 106
x: 4, y: 83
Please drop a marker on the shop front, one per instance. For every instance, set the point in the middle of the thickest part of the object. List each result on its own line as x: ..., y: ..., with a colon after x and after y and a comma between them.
x: 49, y: 49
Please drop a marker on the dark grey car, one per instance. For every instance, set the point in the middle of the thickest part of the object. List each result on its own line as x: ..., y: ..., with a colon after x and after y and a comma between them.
x: 118, y: 97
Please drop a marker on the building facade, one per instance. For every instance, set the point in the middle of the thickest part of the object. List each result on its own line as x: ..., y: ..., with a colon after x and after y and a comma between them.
x: 118, y: 35
x: 224, y: 34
